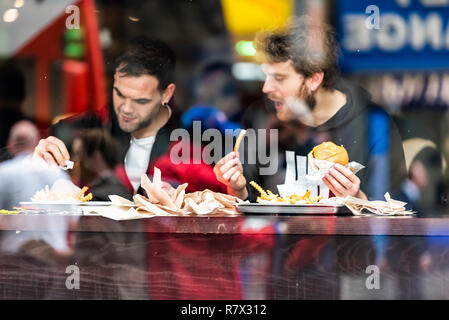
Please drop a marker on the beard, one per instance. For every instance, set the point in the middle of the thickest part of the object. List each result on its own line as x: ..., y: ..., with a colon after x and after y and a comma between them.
x: 143, y: 123
x: 297, y: 107
x: 147, y: 121
x: 308, y: 96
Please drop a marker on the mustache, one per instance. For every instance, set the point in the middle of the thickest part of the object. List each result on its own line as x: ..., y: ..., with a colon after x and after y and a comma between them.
x: 308, y: 99
x: 274, y: 97
x: 128, y: 115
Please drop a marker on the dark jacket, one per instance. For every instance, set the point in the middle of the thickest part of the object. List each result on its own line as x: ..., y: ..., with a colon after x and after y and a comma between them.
x: 174, y: 174
x: 370, y: 137
x: 103, y: 187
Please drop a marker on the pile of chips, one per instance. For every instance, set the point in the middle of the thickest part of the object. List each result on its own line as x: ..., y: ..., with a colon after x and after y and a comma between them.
x: 294, y: 198
x: 62, y: 190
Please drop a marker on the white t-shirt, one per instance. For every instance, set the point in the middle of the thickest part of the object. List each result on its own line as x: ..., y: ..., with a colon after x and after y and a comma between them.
x: 137, y: 159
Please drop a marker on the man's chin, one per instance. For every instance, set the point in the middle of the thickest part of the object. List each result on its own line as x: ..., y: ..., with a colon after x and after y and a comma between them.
x: 284, y: 115
x: 127, y: 128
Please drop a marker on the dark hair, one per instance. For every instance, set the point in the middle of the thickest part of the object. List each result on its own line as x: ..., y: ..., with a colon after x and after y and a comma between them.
x: 148, y: 57
x: 100, y: 140
x: 311, y: 46
x: 216, y: 66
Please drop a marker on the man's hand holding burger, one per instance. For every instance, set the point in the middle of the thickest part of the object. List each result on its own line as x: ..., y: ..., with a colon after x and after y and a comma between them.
x: 339, y: 179
x: 229, y: 171
x: 343, y: 182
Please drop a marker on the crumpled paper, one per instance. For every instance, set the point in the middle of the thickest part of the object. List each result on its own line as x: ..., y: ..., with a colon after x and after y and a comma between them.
x: 306, y: 173
x: 318, y: 168
x: 361, y: 207
x: 163, y: 200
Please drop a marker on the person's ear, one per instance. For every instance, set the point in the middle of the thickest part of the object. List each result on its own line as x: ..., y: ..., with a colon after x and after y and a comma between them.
x: 168, y: 93
x: 315, y: 81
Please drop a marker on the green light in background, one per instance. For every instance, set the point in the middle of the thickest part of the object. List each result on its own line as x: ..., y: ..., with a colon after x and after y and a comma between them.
x: 74, y: 35
x: 74, y: 44
x: 74, y: 50
x: 245, y: 48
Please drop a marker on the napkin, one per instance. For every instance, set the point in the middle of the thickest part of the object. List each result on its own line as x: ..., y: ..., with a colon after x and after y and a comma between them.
x: 390, y: 207
x: 116, y: 213
x: 298, y: 181
x: 162, y: 200
x: 306, y: 173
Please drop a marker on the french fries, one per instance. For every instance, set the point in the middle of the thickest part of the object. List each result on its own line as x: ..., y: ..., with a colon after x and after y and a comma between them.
x: 62, y: 190
x: 270, y: 196
x: 259, y: 188
x: 83, y: 198
x: 3, y: 211
x: 239, y: 140
x: 87, y: 197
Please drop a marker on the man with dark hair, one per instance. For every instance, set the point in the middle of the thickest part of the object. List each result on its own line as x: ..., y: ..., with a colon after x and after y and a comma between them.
x: 300, y: 63
x: 149, y: 56
x: 143, y: 86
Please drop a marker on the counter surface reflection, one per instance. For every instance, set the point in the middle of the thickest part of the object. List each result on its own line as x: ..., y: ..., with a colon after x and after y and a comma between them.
x: 63, y: 256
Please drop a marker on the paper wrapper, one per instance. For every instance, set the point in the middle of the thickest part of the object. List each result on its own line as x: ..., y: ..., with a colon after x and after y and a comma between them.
x: 167, y: 201
x: 318, y: 168
x: 298, y: 181
x: 390, y: 207
x: 361, y: 207
x: 307, y: 174
x: 115, y: 213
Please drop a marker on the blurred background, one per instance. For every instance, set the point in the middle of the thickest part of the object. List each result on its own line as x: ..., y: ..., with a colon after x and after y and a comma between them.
x: 54, y: 65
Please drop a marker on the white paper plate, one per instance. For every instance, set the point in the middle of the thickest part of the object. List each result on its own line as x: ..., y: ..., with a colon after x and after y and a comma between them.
x: 66, y: 203
x: 292, y: 209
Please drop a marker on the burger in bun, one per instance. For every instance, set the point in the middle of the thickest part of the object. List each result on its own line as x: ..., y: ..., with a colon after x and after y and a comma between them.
x: 324, y: 156
x: 329, y: 151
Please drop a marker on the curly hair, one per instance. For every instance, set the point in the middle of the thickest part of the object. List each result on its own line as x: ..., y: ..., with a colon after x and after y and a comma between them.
x: 311, y: 46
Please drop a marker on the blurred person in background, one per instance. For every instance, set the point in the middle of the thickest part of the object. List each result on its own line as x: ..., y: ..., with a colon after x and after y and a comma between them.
x: 423, y: 187
x: 23, y: 138
x: 300, y: 63
x: 216, y: 87
x: 21, y: 176
x: 96, y: 154
x: 412, y: 186
x: 12, y: 95
x: 444, y: 142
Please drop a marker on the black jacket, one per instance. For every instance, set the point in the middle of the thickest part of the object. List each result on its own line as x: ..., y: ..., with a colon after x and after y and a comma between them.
x: 370, y: 137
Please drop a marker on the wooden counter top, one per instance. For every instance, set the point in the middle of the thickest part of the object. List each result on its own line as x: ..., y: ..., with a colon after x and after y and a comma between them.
x: 299, y: 225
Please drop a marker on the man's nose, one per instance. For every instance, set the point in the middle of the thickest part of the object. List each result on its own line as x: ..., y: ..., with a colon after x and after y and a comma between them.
x: 267, y: 87
x: 126, y: 106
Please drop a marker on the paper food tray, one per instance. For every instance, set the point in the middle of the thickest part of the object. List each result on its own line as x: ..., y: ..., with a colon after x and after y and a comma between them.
x: 291, y: 209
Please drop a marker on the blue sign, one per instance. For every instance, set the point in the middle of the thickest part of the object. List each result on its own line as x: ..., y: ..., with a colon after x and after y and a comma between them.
x: 393, y: 35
